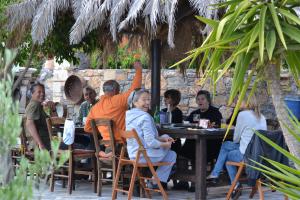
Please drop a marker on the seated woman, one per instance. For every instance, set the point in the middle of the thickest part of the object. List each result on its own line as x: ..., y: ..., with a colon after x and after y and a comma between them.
x: 172, y: 99
x: 248, y: 120
x: 158, y: 148
x: 206, y: 111
x: 36, y: 123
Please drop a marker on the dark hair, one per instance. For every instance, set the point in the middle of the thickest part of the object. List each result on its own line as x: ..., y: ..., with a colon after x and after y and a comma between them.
x: 33, y: 86
x: 135, y: 95
x: 89, y: 88
x: 111, y: 86
x: 206, y: 94
x: 175, y: 95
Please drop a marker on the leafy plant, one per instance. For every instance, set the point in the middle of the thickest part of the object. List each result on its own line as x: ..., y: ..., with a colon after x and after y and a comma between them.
x: 20, y: 185
x: 256, y: 36
x: 125, y: 58
x: 284, y: 178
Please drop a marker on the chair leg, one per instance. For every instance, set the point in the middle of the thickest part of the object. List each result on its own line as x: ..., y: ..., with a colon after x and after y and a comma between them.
x: 143, y: 186
x: 260, y: 190
x: 63, y: 180
x: 115, y: 183
x: 253, y: 191
x: 236, y: 179
x: 133, y: 176
x: 162, y: 190
x: 70, y: 174
x: 95, y: 173
x: 52, y: 181
x: 99, y: 178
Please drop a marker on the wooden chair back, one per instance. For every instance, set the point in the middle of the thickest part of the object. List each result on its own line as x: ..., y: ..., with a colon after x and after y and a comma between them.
x: 54, y: 122
x: 24, y: 140
x: 95, y: 123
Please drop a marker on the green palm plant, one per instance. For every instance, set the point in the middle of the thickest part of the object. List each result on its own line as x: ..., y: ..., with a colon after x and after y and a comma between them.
x: 254, y: 36
x: 283, y: 178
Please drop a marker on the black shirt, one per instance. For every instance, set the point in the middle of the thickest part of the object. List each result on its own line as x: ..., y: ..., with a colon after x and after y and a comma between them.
x: 176, y: 115
x: 213, y: 114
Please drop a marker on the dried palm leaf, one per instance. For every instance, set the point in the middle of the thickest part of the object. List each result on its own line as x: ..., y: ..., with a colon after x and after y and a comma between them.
x: 171, y: 22
x: 115, y: 16
x: 76, y: 6
x: 44, y: 19
x: 21, y: 13
x: 135, y: 7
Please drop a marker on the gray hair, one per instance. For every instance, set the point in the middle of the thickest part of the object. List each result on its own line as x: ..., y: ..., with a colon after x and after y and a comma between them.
x: 111, y: 86
x: 135, y: 95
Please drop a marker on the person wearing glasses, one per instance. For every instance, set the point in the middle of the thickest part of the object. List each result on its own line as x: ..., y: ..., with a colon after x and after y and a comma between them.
x: 158, y: 147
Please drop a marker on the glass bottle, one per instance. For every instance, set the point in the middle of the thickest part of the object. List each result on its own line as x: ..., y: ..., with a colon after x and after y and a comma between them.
x: 156, y: 115
x: 169, y: 114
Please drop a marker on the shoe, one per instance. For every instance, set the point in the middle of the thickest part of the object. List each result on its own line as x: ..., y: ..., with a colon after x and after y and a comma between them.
x: 154, y: 186
x: 237, y: 192
x: 212, y: 180
x: 209, y: 177
x: 181, y: 185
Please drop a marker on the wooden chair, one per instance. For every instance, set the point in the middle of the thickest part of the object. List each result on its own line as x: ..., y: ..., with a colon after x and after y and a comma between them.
x: 104, y: 165
x: 17, y: 152
x: 257, y: 187
x: 136, y: 167
x: 252, y: 150
x: 55, y: 122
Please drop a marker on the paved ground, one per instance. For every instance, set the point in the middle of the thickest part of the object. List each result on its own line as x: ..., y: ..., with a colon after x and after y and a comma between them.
x: 84, y: 191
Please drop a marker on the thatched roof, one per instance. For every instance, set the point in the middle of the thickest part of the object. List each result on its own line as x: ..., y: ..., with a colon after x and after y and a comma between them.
x: 119, y: 16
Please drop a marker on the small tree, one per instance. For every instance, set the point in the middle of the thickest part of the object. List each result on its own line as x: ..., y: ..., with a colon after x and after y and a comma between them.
x: 19, y: 186
x: 258, y: 36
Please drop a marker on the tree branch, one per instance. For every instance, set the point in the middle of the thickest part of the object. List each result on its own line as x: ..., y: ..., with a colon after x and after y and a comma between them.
x: 18, y: 81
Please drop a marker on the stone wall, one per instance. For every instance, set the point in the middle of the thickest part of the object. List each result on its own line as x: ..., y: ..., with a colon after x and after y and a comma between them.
x: 170, y: 79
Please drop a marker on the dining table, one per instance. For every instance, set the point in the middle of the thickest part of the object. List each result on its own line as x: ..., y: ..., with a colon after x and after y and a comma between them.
x: 201, y: 136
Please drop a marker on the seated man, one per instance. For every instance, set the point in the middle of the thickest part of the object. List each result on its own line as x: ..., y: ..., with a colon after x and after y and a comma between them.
x: 113, y: 105
x: 36, y: 124
x: 89, y: 95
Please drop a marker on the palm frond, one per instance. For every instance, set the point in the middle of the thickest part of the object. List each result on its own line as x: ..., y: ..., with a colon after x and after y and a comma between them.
x: 76, y: 6
x: 171, y: 22
x: 98, y: 17
x: 88, y: 10
x: 135, y: 7
x: 115, y: 16
x: 44, y: 19
x: 205, y: 9
x: 21, y: 13
x: 152, y: 10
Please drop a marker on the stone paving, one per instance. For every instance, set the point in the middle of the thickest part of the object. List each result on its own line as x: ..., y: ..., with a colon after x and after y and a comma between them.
x: 84, y: 191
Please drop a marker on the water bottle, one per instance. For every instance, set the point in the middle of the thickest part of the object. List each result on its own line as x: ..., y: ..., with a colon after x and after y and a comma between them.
x: 169, y: 114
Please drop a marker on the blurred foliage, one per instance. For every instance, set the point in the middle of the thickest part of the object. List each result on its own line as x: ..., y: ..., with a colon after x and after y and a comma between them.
x: 124, y: 58
x: 285, y: 179
x: 27, y: 174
